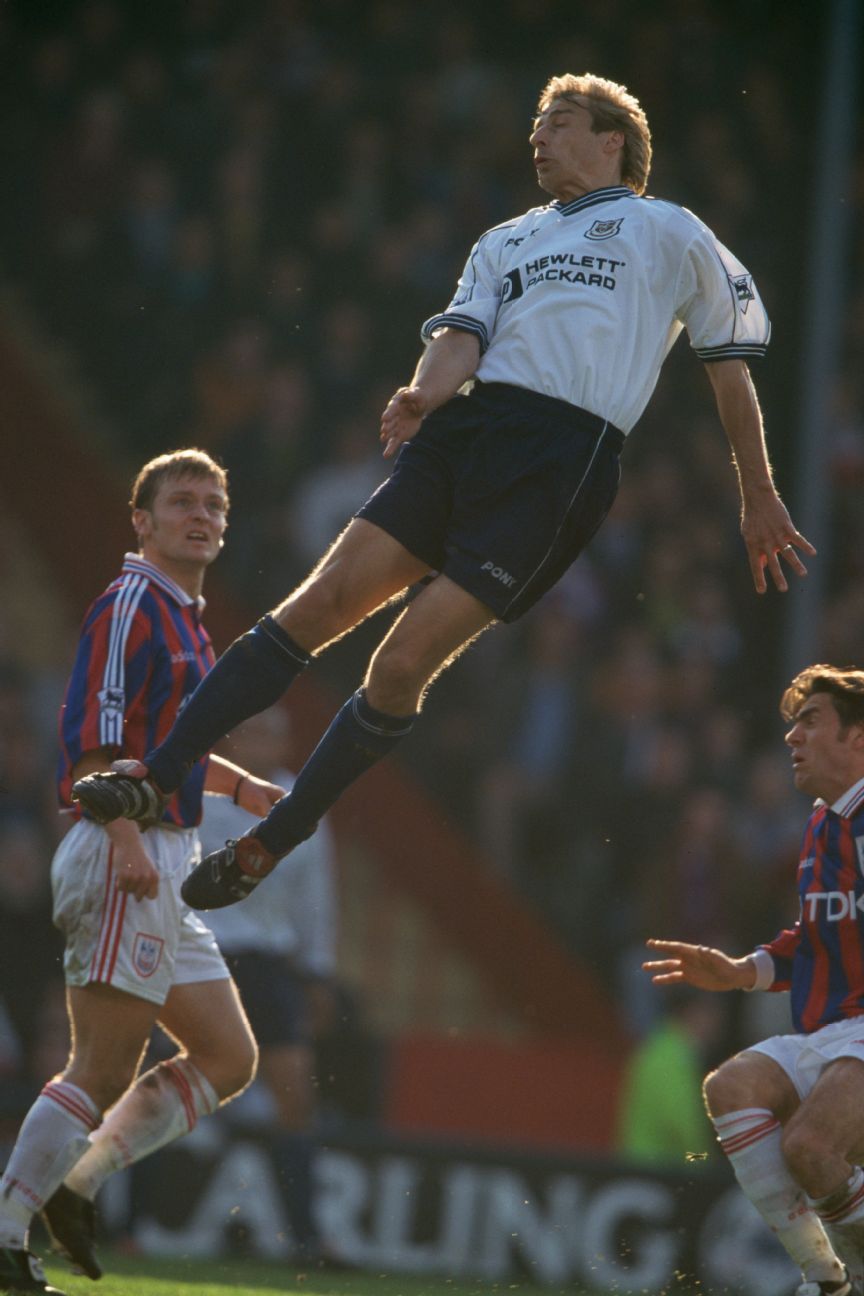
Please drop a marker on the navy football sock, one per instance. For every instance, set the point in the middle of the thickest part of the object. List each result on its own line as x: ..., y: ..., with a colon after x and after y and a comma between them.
x: 358, y: 737
x: 250, y: 676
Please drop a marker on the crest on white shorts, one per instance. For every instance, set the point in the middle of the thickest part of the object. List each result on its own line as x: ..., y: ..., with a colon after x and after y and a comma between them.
x: 146, y: 953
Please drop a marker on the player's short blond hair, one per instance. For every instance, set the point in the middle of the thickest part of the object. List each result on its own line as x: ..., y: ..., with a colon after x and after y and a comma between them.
x: 612, y: 107
x: 844, y: 686
x: 178, y: 463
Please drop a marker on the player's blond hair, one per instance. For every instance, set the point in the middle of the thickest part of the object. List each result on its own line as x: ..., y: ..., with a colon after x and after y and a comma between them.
x: 845, y: 687
x: 612, y: 107
x: 178, y: 463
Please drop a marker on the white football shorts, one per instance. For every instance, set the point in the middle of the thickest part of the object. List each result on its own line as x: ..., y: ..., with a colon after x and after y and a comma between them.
x: 805, y: 1057
x: 141, y: 946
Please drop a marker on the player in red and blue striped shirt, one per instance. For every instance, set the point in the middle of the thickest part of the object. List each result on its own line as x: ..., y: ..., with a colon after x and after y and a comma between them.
x: 135, y: 954
x: 141, y: 654
x: 821, y: 959
x: 789, y: 1111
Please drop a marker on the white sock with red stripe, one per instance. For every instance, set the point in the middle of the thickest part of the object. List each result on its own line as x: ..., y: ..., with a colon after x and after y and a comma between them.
x: 842, y: 1213
x: 751, y: 1140
x: 162, y: 1105
x: 50, y: 1141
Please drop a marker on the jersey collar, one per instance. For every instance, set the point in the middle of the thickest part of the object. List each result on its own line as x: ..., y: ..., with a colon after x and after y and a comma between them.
x: 850, y: 802
x: 610, y: 194
x: 139, y: 566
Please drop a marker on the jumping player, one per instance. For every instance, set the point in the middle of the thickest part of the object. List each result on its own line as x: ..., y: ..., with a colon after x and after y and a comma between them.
x: 135, y: 955
x: 789, y: 1112
x: 562, y: 319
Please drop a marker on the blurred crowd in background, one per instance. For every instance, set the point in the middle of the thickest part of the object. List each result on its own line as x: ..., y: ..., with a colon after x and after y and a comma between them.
x: 236, y: 218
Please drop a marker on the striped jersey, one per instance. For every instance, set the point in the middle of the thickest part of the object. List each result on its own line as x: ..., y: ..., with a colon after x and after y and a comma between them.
x: 141, y: 654
x: 821, y: 958
x: 583, y: 300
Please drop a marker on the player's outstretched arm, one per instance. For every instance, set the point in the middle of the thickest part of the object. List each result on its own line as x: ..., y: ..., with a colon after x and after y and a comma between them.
x: 448, y: 361
x: 766, y: 527
x: 698, y: 965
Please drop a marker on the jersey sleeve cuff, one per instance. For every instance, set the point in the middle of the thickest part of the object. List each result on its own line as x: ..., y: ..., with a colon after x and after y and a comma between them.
x: 465, y: 323
x: 733, y: 351
x: 765, y: 974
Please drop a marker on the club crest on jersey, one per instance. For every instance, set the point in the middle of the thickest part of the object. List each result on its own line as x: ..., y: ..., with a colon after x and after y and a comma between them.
x: 743, y: 286
x: 603, y: 229
x: 146, y: 953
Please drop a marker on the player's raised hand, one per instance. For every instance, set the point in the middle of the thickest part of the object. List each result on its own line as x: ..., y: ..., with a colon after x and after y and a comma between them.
x: 402, y: 418
x: 698, y: 965
x: 770, y: 536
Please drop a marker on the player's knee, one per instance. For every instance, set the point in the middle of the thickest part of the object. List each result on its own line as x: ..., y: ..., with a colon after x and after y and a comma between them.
x: 244, y: 1068
x: 747, y: 1080
x: 233, y: 1070
x: 323, y: 608
x: 721, y: 1091
x: 395, y: 682
x: 803, y: 1149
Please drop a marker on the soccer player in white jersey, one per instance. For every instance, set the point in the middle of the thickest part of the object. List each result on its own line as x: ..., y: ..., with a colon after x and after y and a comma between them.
x: 560, y: 324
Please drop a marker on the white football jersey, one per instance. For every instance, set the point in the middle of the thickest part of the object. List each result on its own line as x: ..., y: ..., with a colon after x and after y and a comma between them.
x: 583, y: 300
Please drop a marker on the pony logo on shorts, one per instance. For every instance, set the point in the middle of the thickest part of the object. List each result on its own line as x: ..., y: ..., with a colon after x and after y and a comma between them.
x: 146, y: 953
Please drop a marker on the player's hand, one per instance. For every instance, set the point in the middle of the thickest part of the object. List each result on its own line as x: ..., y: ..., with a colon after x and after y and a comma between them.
x: 258, y: 796
x: 402, y: 418
x: 136, y: 873
x: 772, y: 539
x: 699, y: 966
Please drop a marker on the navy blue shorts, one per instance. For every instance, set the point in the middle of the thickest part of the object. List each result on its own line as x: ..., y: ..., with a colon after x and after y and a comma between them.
x: 501, y: 490
x: 273, y: 995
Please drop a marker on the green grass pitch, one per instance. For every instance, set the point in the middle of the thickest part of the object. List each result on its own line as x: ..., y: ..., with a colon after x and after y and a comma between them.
x: 145, y: 1276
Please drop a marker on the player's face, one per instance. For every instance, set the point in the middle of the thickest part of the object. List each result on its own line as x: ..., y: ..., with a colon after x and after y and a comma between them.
x: 569, y: 157
x: 826, y: 758
x: 186, y: 524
